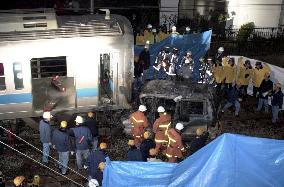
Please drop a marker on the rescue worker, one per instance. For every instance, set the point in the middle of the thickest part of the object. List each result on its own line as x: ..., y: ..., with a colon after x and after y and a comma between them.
x: 140, y: 38
x: 258, y: 76
x: 219, y: 76
x: 175, y: 146
x: 199, y: 141
x: 277, y: 102
x: 61, y: 142
x: 234, y: 98
x: 148, y: 33
x: 146, y: 145
x: 133, y: 153
x: 219, y: 55
x: 83, y: 138
x: 139, y: 123
x: 185, y: 72
x: 94, y: 159
x: 230, y: 71
x: 245, y: 74
x: 160, y: 128
x: 173, y: 64
x: 99, y: 174
x: 144, y: 58
x: 19, y: 181
x: 91, y: 123
x: 153, y: 154
x: 265, y: 89
x: 45, y: 135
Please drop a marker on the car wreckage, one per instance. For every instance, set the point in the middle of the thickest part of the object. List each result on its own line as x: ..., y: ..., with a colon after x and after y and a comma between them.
x: 189, y: 103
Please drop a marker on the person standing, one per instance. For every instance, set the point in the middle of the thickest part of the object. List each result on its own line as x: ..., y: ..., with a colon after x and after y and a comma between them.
x: 61, y: 142
x: 265, y: 89
x: 83, y: 139
x: 258, y: 75
x: 91, y: 123
x: 45, y: 135
x: 233, y: 99
x: 133, y: 153
x: 245, y: 74
x: 199, y: 141
x: 146, y: 145
x: 277, y: 102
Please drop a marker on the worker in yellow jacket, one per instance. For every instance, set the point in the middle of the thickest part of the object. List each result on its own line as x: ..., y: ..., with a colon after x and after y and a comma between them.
x: 230, y: 71
x: 258, y: 75
x: 244, y: 75
x: 140, y: 39
x: 218, y: 74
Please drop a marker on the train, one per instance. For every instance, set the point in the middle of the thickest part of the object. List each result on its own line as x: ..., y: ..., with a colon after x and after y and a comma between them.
x: 90, y: 56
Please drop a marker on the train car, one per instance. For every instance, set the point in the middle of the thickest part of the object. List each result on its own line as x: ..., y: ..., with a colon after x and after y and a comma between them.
x: 75, y: 62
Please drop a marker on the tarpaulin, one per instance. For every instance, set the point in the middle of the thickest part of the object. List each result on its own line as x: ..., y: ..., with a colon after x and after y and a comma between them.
x: 198, y: 44
x: 228, y: 161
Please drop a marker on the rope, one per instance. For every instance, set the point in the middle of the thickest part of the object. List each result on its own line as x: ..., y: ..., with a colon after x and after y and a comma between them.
x: 41, y: 164
x: 42, y: 152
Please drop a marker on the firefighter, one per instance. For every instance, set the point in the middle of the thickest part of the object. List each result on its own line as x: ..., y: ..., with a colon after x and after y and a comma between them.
x: 230, y: 71
x: 277, y: 102
x: 91, y: 123
x: 175, y: 146
x: 153, y: 154
x: 160, y: 128
x: 61, y: 142
x: 19, y: 181
x: 146, y: 145
x: 139, y: 123
x: 94, y: 159
x: 83, y: 138
x: 133, y: 153
x: 245, y: 74
x: 218, y: 74
x: 45, y: 135
x: 258, y: 76
x: 265, y: 89
x: 199, y: 141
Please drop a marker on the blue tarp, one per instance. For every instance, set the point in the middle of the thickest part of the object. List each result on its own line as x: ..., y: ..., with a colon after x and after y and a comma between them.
x: 228, y: 161
x: 198, y: 44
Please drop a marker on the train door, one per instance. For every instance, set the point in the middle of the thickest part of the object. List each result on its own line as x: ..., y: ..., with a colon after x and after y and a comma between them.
x: 49, y: 75
x: 108, y: 79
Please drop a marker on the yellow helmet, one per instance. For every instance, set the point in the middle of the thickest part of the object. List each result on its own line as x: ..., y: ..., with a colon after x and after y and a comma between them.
x: 90, y: 114
x: 199, y: 131
x: 19, y: 180
x: 146, y: 135
x: 102, y: 166
x: 63, y: 124
x: 131, y: 142
x: 152, y: 152
x: 103, y: 145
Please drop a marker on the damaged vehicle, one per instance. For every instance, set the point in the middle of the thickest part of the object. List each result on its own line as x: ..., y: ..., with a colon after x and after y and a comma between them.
x: 189, y: 103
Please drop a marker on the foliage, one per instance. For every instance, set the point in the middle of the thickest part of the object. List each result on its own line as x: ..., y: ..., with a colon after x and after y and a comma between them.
x: 245, y: 32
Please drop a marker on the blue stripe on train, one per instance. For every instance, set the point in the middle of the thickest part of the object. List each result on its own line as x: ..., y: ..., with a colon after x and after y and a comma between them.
x: 27, y: 97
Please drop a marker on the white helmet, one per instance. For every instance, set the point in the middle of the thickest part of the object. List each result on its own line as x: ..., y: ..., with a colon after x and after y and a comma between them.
x: 187, y: 29
x: 161, y: 109
x: 179, y: 126
x: 79, y: 119
x: 154, y: 30
x: 93, y: 183
x: 142, y: 108
x: 174, y: 29
x: 47, y: 115
x: 149, y: 26
x: 221, y: 49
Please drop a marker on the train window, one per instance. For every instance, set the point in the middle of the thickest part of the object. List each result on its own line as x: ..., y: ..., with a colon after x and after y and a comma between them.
x: 18, y: 76
x: 48, y: 67
x: 2, y: 77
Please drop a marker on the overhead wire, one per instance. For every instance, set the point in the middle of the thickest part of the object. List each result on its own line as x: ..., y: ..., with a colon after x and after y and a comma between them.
x: 40, y: 151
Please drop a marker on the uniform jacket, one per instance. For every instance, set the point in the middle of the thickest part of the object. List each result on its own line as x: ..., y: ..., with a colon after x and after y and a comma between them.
x: 277, y: 99
x: 134, y: 154
x: 198, y: 142
x: 44, y: 132
x: 145, y: 146
x: 83, y: 137
x: 61, y: 140
x: 218, y: 73
x: 91, y: 123
x: 175, y: 146
x: 140, y: 40
x: 258, y: 75
x: 139, y: 123
x: 160, y: 127
x: 245, y: 75
x: 230, y: 73
x: 93, y: 161
x: 265, y: 86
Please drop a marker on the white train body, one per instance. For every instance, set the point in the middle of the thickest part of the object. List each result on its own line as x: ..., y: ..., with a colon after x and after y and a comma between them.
x: 81, y: 50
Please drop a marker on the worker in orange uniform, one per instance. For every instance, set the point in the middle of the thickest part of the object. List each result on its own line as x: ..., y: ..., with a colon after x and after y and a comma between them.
x: 139, y: 123
x: 160, y: 128
x: 175, y: 146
